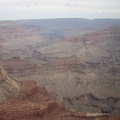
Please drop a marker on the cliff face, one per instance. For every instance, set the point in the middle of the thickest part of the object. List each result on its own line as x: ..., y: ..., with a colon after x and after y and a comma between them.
x: 83, y: 73
x: 7, y: 85
x: 16, y: 65
x: 34, y: 103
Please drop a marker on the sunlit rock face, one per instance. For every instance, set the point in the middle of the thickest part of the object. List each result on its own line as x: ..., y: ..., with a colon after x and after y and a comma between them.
x: 8, y: 86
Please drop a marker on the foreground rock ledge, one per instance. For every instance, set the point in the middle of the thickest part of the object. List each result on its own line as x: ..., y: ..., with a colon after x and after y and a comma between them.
x: 26, y: 101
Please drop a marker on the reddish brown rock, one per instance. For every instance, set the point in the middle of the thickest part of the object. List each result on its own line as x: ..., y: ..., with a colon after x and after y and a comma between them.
x: 34, y: 103
x: 17, y: 65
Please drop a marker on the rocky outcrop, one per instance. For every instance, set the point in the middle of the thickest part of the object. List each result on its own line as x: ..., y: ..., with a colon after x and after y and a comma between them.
x: 72, y: 63
x: 34, y: 103
x: 13, y: 30
x: 84, y: 102
x: 7, y: 85
x: 16, y: 65
x: 115, y: 70
x: 111, y: 33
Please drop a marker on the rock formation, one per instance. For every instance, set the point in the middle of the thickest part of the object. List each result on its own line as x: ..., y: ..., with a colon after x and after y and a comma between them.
x: 34, y: 103
x: 8, y: 86
x: 77, y: 61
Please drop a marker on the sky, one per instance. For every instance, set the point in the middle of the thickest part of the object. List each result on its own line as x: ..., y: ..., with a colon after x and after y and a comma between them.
x: 46, y: 9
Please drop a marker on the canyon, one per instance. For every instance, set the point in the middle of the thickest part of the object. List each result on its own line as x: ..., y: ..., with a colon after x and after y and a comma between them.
x: 25, y: 100
x: 76, y: 60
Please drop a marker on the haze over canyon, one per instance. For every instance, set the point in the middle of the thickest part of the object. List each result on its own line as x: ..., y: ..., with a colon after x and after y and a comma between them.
x: 66, y: 68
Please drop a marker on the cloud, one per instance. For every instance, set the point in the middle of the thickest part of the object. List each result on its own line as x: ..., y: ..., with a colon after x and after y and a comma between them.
x: 96, y: 11
x: 30, y: 9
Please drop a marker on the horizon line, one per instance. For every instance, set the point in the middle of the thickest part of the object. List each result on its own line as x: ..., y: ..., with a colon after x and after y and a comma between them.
x: 58, y: 18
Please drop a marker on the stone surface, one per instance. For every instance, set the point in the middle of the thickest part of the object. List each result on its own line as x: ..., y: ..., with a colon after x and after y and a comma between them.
x: 34, y: 103
x: 76, y: 60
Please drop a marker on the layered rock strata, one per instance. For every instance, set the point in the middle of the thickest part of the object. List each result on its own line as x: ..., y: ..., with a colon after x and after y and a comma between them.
x: 34, y: 103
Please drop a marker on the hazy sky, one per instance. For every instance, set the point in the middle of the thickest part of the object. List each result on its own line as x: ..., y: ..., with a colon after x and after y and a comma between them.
x: 39, y: 9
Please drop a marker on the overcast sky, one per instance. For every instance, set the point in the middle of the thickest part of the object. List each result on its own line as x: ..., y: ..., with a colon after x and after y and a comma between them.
x: 40, y: 9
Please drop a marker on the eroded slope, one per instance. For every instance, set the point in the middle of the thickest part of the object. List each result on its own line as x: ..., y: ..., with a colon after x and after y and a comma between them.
x: 34, y: 103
